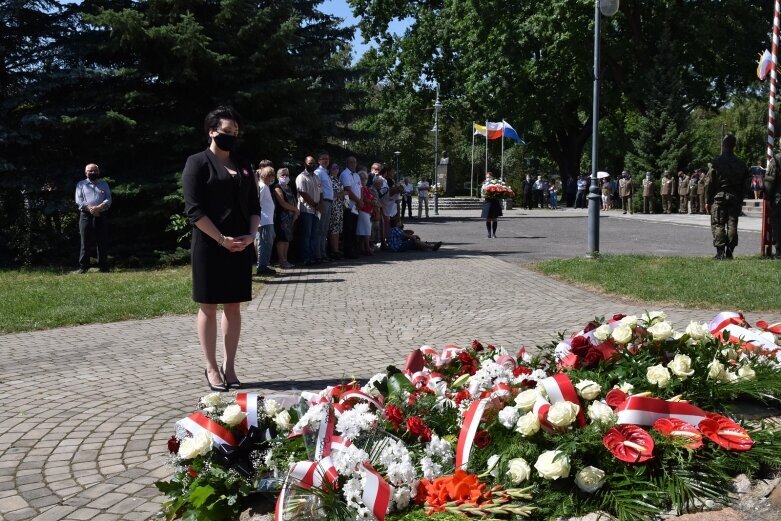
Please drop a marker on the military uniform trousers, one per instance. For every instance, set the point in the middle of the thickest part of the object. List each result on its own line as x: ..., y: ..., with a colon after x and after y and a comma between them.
x: 724, y: 222
x: 667, y: 203
x: 683, y: 207
x: 648, y: 204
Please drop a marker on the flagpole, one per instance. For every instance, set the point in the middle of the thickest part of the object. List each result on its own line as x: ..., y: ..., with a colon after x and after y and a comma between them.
x: 766, y: 239
x: 501, y: 170
x: 486, y: 145
x: 472, y: 177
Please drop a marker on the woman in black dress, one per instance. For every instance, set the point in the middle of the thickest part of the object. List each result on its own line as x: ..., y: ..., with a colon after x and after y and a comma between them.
x: 221, y: 201
x: 492, y: 208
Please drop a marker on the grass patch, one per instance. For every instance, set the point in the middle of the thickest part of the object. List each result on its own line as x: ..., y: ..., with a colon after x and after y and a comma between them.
x: 44, y: 299
x: 745, y: 284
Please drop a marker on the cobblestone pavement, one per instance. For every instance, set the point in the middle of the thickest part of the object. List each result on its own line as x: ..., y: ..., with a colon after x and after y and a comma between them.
x: 86, y: 411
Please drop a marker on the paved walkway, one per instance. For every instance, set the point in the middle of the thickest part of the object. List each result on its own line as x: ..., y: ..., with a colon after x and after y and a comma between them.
x: 86, y: 411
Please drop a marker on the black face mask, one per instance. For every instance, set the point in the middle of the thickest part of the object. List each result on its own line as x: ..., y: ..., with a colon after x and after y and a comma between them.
x: 225, y: 142
x: 93, y: 177
x: 311, y: 168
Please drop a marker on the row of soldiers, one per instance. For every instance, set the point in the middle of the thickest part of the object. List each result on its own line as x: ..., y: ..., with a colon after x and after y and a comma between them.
x: 684, y: 194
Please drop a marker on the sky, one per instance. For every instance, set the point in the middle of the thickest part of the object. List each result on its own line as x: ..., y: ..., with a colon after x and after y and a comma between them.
x: 342, y: 10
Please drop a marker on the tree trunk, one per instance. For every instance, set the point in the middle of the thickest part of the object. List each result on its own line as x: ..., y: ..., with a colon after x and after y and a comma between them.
x: 565, y: 146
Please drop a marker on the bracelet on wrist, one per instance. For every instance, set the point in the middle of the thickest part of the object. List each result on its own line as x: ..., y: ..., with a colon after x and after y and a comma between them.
x: 221, y: 242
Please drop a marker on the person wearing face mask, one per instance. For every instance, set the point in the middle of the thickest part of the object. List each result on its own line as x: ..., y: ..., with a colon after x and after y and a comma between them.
x: 309, y: 195
x: 93, y: 198
x: 221, y: 202
x: 285, y: 215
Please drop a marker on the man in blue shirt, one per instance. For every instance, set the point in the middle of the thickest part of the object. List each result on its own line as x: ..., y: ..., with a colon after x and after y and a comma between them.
x: 403, y: 240
x: 93, y: 199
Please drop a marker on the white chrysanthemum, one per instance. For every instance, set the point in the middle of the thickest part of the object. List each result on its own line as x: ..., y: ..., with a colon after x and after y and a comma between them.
x: 353, y: 422
x: 347, y: 461
x: 489, y: 374
x: 430, y: 468
x: 311, y: 418
x: 508, y: 416
x: 441, y: 449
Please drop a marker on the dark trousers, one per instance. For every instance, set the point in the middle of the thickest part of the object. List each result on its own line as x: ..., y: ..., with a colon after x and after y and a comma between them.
x: 309, y: 237
x: 724, y: 222
x: 348, y: 233
x: 406, y: 205
x: 94, y: 233
x: 580, y: 199
x: 527, y: 200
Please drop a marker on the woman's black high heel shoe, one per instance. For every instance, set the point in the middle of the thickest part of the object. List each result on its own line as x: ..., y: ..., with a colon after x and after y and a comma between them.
x: 220, y: 388
x: 234, y: 385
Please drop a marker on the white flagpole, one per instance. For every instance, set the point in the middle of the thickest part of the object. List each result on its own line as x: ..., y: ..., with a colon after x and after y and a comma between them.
x: 501, y: 174
x: 472, y: 178
x: 486, y: 146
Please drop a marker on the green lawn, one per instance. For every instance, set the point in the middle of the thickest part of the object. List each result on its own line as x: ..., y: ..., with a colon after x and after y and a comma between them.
x: 746, y: 283
x: 43, y: 299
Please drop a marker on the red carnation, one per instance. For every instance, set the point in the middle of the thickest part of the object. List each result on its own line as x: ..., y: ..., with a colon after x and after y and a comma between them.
x: 476, y: 345
x: 519, y: 370
x: 462, y: 395
x: 465, y: 358
x: 173, y: 445
x: 491, y: 347
x: 417, y: 428
x: 482, y: 439
x: 394, y: 415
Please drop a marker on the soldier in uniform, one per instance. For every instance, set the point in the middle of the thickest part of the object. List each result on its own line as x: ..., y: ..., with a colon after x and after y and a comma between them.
x: 648, y: 193
x: 667, y: 191
x: 683, y: 192
x: 773, y: 196
x: 703, y: 180
x: 693, y: 199
x: 724, y: 193
x: 626, y: 191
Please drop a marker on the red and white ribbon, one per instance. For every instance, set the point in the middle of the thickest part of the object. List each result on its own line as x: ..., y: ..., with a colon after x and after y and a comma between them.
x: 448, y: 353
x: 643, y: 410
x: 248, y: 402
x: 376, y: 492
x: 360, y: 395
x: 197, y: 423
x: 560, y: 389
x: 466, y: 437
x: 740, y: 335
x: 724, y: 319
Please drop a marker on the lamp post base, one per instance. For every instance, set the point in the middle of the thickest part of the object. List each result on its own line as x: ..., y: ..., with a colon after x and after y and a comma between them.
x: 436, y: 204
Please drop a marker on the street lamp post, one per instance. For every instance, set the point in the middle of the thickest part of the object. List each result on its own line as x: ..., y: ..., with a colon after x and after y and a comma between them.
x: 397, y: 154
x: 607, y: 8
x: 437, y: 109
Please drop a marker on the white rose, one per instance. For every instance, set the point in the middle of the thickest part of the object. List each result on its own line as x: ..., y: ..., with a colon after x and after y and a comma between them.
x: 518, y: 470
x: 508, y: 416
x: 526, y: 399
x: 271, y: 407
x: 729, y: 353
x: 491, y: 465
x: 562, y: 414
x: 527, y: 425
x: 630, y: 321
x: 696, y: 330
x: 622, y: 334
x: 658, y: 375
x: 601, y: 412
x: 747, y: 373
x: 661, y: 330
x: 681, y: 366
x: 730, y: 377
x: 590, y: 479
x: 198, y: 445
x: 716, y: 371
x: 602, y: 333
x: 211, y: 400
x: 553, y: 464
x: 232, y: 415
x: 283, y: 421
x: 625, y: 387
x: 653, y: 317
x: 588, y: 389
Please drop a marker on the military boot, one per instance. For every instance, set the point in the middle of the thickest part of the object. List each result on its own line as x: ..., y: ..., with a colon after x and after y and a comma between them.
x: 728, y: 253
x: 719, y: 253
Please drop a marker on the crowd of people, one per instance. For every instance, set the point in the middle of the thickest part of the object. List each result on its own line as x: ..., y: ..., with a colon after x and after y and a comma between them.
x: 684, y: 193
x: 332, y: 212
